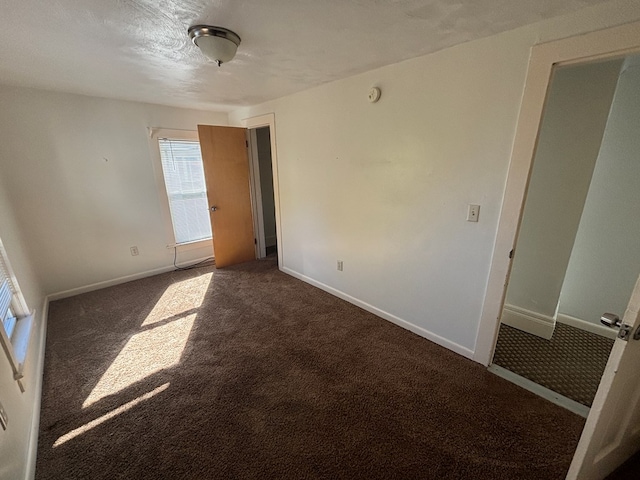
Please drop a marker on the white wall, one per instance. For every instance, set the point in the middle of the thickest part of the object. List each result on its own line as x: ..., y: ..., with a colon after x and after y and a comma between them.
x: 605, y: 262
x: 22, y: 408
x: 68, y: 216
x: 384, y: 187
x: 266, y: 185
x: 572, y: 128
x: 83, y: 183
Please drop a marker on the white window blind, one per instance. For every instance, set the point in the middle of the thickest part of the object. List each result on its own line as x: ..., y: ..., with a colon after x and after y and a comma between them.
x: 7, y: 317
x: 186, y: 189
x: 9, y: 303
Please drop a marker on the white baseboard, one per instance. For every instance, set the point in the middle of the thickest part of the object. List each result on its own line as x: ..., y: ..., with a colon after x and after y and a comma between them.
x: 117, y: 281
x: 541, y: 391
x: 528, y: 321
x: 587, y: 326
x: 459, y: 349
x: 39, y: 372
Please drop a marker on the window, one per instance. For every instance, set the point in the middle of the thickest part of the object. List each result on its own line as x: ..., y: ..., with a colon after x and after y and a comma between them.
x: 186, y: 189
x: 15, y: 320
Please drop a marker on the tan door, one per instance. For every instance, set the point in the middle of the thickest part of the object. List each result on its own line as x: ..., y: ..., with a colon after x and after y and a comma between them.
x: 612, y: 432
x: 226, y: 171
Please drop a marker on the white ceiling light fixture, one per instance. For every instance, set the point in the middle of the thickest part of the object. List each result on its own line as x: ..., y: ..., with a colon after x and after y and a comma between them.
x: 217, y: 43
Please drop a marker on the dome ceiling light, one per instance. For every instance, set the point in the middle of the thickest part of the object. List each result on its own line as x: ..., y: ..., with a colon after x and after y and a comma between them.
x: 217, y: 43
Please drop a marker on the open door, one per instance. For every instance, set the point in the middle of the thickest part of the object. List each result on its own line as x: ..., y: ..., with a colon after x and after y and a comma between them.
x: 226, y: 171
x: 612, y: 431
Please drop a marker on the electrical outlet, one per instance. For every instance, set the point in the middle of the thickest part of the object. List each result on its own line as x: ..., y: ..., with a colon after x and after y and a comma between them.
x: 473, y: 213
x: 134, y: 251
x: 340, y: 265
x: 4, y: 420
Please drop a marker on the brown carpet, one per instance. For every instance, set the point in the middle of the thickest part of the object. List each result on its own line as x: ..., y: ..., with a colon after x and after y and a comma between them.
x: 270, y: 377
x: 571, y: 363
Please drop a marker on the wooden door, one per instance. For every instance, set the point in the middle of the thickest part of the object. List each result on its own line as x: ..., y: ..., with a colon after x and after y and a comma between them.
x: 612, y: 431
x: 226, y: 171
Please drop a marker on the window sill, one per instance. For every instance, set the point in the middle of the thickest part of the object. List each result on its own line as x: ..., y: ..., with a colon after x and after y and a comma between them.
x: 204, y: 243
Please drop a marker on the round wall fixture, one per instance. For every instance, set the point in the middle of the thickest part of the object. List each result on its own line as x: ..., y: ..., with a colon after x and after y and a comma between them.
x: 374, y: 94
x: 217, y: 43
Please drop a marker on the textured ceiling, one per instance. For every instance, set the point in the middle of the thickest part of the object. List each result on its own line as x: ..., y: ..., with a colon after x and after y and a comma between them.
x: 139, y: 49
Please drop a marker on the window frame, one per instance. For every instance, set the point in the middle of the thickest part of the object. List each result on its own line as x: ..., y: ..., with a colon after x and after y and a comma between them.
x: 155, y: 134
x: 16, y: 347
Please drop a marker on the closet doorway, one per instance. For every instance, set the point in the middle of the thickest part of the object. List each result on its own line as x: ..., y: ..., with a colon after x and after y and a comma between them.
x: 576, y: 256
x: 263, y: 191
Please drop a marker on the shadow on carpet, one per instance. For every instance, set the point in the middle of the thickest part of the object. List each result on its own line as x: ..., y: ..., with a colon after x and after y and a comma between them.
x: 246, y: 373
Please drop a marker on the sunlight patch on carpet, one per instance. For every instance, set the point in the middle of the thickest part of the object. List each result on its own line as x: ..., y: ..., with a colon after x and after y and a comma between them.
x: 145, y: 353
x: 179, y: 298
x: 114, y: 413
x: 159, y: 346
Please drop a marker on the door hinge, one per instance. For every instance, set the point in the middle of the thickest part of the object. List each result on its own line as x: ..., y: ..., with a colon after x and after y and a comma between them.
x: 511, y: 253
x: 625, y: 332
x: 255, y: 241
x: 247, y: 143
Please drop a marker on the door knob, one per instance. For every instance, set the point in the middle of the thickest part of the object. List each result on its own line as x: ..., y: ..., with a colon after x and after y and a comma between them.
x: 214, y: 208
x: 610, y: 320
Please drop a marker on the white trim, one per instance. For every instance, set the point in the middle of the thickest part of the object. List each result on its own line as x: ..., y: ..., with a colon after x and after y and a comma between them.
x: 252, y: 193
x: 269, y: 120
x: 256, y: 193
x: 117, y: 281
x: 7, y: 346
x: 38, y: 371
x: 541, y: 391
x: 459, y: 349
x: 611, y: 42
x: 195, y: 245
x: 528, y: 321
x: 587, y: 326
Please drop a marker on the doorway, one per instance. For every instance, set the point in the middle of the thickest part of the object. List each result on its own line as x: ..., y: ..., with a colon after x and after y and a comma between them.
x: 576, y: 255
x: 233, y: 158
x: 253, y: 124
x: 262, y: 188
x: 610, y: 432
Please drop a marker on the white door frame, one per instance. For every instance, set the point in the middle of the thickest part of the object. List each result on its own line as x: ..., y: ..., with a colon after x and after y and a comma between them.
x: 268, y: 120
x: 256, y: 193
x: 608, y: 43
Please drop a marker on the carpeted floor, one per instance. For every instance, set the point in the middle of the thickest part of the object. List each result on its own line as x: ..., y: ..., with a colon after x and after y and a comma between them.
x: 570, y: 363
x: 247, y: 373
